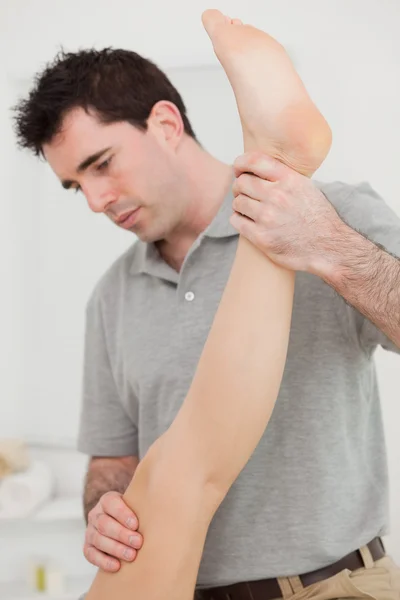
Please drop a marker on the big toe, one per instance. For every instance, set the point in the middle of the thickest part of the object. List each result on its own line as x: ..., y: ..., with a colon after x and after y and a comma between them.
x: 212, y: 20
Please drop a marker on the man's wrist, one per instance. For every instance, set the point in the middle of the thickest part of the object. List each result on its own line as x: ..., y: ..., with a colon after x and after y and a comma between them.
x: 349, y: 260
x: 331, y: 260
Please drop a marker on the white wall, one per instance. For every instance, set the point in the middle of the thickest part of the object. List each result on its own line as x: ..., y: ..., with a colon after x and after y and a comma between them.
x: 53, y: 249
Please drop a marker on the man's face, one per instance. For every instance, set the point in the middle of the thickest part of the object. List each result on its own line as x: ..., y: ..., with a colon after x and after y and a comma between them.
x: 130, y: 175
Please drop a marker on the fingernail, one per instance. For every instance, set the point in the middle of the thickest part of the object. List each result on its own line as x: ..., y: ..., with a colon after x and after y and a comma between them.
x: 131, y: 523
x: 128, y: 554
x: 113, y: 565
x: 133, y: 540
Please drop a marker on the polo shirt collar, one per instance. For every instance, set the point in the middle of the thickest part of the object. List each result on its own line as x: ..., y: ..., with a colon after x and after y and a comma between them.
x: 147, y: 258
x: 220, y: 226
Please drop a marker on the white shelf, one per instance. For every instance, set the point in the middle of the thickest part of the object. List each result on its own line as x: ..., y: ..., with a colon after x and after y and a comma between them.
x: 61, y: 509
x: 20, y: 591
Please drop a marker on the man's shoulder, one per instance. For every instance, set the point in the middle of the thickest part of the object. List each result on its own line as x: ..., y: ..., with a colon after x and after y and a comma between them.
x: 356, y: 203
x: 113, y: 281
x: 339, y: 192
x: 363, y: 209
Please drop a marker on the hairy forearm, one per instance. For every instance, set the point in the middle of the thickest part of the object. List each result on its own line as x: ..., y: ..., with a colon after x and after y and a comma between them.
x: 184, y: 477
x: 106, y: 475
x: 367, y: 277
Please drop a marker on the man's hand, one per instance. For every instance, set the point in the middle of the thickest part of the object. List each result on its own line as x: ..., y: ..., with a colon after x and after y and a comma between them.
x: 283, y: 213
x: 111, y: 533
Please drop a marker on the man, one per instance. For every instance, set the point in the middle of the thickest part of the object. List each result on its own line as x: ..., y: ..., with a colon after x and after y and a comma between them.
x: 149, y: 317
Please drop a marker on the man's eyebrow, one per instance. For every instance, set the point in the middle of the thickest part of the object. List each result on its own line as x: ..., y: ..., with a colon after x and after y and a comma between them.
x: 91, y: 159
x: 85, y: 164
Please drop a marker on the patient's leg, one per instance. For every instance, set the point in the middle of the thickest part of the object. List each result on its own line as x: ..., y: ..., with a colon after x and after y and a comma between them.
x: 277, y: 114
x: 187, y: 472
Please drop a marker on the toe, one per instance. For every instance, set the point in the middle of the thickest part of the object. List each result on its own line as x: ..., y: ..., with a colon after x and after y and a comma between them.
x: 212, y: 20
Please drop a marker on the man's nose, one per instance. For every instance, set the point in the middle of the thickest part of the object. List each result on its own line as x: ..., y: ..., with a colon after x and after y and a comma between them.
x: 99, y: 196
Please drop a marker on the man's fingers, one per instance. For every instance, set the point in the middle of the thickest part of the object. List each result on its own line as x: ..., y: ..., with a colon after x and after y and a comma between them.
x: 98, y: 559
x: 110, y: 528
x: 248, y: 207
x: 262, y: 165
x: 253, y: 186
x: 113, y: 548
x: 113, y: 505
x: 244, y: 226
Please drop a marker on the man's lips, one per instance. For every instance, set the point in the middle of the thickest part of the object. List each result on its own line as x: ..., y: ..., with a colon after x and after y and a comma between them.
x: 127, y: 219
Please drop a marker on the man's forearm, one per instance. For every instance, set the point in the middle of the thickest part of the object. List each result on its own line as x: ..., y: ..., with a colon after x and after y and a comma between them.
x: 367, y: 277
x: 106, y: 475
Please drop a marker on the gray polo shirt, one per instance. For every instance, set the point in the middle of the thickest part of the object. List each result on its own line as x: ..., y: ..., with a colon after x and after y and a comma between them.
x: 316, y: 486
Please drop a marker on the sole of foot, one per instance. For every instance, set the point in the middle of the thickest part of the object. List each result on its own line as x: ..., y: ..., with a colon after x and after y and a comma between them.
x: 277, y: 114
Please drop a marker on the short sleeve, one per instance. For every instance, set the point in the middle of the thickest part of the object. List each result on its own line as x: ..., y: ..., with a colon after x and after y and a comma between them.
x: 105, y: 428
x: 366, y: 212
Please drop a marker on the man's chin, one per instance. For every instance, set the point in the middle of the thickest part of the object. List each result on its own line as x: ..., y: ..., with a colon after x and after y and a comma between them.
x: 147, y: 236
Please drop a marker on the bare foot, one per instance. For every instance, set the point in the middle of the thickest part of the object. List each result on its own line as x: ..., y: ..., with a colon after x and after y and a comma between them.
x: 278, y: 116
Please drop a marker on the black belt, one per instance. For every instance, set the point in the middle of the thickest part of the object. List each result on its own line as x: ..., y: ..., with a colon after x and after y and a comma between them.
x: 268, y: 589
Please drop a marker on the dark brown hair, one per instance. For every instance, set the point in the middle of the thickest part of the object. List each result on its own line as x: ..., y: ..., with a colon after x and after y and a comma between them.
x: 118, y: 85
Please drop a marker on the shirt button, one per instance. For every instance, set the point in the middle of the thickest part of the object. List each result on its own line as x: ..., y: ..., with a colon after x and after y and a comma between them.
x: 189, y: 296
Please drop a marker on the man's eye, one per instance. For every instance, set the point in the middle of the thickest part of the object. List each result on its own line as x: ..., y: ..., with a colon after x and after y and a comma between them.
x: 102, y: 166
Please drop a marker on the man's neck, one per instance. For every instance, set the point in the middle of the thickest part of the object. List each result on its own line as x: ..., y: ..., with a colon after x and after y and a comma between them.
x: 209, y: 181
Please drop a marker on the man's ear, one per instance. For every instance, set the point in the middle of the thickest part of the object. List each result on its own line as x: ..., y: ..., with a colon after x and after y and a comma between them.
x: 166, y: 122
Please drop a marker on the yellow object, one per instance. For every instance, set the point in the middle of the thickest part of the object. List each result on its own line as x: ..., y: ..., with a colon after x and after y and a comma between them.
x: 5, y: 468
x: 14, y: 456
x: 46, y: 576
x: 40, y: 578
